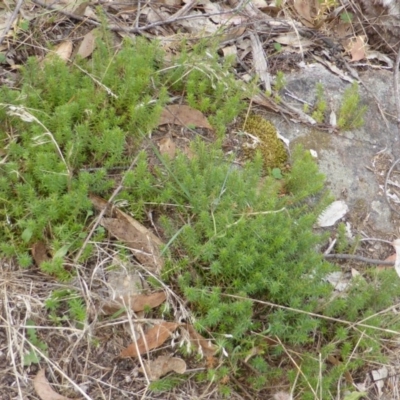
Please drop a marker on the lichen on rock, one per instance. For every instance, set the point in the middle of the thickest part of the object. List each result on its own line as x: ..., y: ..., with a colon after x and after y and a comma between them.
x: 268, y: 143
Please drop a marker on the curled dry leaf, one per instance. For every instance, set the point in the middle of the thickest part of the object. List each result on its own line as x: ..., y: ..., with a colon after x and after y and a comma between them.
x: 63, y: 50
x: 137, y: 302
x: 43, y: 388
x: 201, y: 343
x: 356, y: 47
x: 100, y: 204
x: 183, y: 115
x: 153, y: 338
x: 142, y: 242
x: 80, y: 10
x: 39, y: 253
x: 292, y: 40
x: 162, y: 365
x: 87, y: 45
x: 306, y: 10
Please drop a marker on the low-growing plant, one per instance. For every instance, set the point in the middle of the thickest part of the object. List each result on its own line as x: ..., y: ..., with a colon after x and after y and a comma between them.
x: 70, y: 127
x: 320, y: 105
x: 32, y: 356
x: 351, y: 113
x: 66, y: 305
x: 208, y: 83
x: 241, y: 250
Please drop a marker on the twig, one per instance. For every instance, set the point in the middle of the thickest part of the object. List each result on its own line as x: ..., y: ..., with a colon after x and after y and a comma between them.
x: 320, y: 316
x: 359, y: 258
x: 11, y: 20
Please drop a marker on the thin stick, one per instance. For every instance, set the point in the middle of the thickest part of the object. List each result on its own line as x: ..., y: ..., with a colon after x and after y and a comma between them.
x: 11, y: 20
x: 320, y: 316
x: 359, y: 258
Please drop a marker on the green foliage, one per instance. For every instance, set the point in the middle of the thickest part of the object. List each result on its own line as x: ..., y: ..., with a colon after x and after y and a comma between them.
x: 342, y: 241
x: 67, y: 131
x: 72, y: 125
x: 33, y: 356
x: 236, y: 238
x: 208, y: 84
x: 351, y: 113
x: 166, y: 384
x: 66, y: 305
x: 347, y: 17
x: 245, y: 240
x: 320, y: 106
x: 280, y: 81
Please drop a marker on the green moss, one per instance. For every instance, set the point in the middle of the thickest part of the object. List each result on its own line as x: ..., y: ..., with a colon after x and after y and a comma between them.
x: 271, y: 147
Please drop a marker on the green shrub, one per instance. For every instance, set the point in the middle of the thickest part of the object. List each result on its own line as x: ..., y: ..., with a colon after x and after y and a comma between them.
x: 351, y: 113
x: 72, y: 125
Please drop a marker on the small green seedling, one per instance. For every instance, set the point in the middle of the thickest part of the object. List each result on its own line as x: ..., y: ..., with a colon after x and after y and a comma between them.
x: 33, y: 357
x: 351, y: 113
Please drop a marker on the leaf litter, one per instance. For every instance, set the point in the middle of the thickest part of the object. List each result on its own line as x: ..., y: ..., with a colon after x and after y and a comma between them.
x: 44, y: 390
x: 152, y: 339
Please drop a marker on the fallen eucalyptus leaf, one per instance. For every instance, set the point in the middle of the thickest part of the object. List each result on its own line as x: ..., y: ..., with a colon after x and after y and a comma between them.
x: 162, y: 365
x: 152, y: 339
x: 43, y: 388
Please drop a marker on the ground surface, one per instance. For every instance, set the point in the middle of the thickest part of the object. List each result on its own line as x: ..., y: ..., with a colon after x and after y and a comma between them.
x: 355, y: 163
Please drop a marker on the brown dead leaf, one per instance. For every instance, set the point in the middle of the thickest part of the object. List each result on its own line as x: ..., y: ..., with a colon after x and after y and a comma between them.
x: 80, y: 10
x: 63, y: 50
x: 167, y: 146
x: 233, y: 32
x: 201, y: 343
x: 142, y: 242
x: 162, y: 365
x: 39, y: 253
x: 184, y: 116
x: 43, y: 388
x: 357, y: 48
x: 229, y: 51
x: 137, y: 302
x: 100, y: 204
x: 87, y: 45
x: 293, y: 40
x: 153, y: 338
x: 306, y: 11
